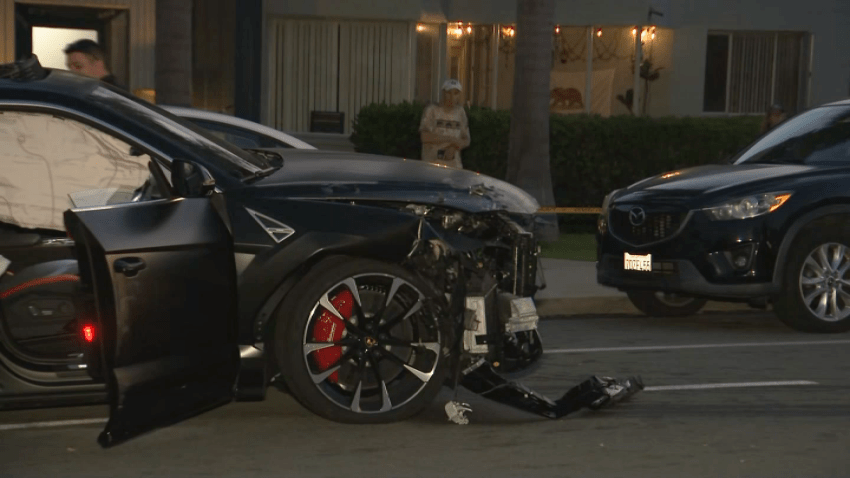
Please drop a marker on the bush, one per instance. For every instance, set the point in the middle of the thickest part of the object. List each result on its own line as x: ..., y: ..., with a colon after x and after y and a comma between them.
x: 391, y: 130
x: 590, y: 155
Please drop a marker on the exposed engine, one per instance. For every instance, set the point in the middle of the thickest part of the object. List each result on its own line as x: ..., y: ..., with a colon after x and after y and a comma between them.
x: 498, y: 262
x: 486, y: 264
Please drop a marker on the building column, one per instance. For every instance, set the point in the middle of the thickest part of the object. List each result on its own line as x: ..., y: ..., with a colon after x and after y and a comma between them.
x: 441, y: 72
x: 588, y: 84
x: 412, y: 39
x: 494, y: 75
x: 7, y: 37
x: 249, y: 57
x: 638, y: 61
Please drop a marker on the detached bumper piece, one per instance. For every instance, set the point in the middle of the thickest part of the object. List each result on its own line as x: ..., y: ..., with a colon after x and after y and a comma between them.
x: 594, y: 393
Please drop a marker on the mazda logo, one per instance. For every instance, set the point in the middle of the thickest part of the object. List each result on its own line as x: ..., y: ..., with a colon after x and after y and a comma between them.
x: 637, y: 216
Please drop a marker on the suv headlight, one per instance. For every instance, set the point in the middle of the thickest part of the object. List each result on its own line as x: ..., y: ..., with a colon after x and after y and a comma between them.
x: 750, y: 206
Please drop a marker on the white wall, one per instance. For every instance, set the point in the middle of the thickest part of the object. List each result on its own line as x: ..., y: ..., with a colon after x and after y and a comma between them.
x: 48, y: 44
x: 680, y: 91
x: 828, y: 20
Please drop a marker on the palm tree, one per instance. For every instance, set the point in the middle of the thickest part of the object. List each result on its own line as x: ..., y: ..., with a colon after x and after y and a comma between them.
x: 528, y: 153
x: 173, y: 65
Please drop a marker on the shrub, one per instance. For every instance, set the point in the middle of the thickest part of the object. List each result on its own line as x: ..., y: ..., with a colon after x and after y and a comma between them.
x: 590, y: 155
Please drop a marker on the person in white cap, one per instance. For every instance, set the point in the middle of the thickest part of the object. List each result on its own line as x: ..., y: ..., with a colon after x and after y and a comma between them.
x: 444, y: 129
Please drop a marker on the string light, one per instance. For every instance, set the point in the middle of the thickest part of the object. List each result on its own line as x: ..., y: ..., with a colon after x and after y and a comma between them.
x: 599, y: 32
x: 644, y: 32
x: 420, y: 27
x: 457, y: 30
x: 558, y: 29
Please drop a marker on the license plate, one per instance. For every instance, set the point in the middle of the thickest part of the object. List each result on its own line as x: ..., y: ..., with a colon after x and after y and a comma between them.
x: 637, y: 262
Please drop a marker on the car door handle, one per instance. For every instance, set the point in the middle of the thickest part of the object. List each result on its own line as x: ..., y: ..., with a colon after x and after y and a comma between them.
x: 129, y: 266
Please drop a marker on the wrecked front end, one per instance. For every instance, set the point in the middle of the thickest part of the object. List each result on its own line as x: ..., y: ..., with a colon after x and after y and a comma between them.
x: 487, y: 265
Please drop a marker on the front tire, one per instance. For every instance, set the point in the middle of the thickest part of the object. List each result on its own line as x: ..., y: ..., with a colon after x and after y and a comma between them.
x: 816, y: 282
x: 357, y: 342
x: 662, y: 304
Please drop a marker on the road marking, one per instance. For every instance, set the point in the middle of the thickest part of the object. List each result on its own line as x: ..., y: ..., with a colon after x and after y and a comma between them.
x: 701, y: 346
x: 708, y: 386
x: 705, y: 386
x: 58, y: 423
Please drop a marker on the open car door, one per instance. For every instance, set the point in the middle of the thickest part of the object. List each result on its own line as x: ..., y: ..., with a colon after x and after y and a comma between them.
x: 162, y: 279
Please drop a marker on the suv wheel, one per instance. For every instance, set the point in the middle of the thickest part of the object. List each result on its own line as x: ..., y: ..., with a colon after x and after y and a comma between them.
x: 356, y: 342
x: 665, y: 304
x: 816, y: 285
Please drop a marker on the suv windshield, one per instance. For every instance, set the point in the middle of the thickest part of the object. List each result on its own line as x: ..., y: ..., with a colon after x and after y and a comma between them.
x: 221, y: 154
x: 820, y: 135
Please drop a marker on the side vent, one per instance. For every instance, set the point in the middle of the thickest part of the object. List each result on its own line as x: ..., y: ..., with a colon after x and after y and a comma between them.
x: 277, y: 230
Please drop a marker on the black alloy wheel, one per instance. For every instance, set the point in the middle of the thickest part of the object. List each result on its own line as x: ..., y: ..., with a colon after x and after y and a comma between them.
x: 358, y: 341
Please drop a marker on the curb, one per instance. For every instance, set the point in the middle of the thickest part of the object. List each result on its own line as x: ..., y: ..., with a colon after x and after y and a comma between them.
x: 617, y: 306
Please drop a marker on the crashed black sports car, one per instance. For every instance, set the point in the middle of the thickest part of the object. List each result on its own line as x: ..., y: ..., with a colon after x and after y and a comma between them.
x: 149, y: 264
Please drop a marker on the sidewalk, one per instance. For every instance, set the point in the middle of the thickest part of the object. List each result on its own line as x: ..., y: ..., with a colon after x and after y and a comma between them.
x: 571, y: 289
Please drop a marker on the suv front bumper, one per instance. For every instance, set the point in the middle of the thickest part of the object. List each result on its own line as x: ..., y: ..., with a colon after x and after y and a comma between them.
x: 679, y: 276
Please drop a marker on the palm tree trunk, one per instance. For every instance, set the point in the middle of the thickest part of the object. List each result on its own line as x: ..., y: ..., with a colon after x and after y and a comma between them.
x: 528, y: 153
x: 173, y: 65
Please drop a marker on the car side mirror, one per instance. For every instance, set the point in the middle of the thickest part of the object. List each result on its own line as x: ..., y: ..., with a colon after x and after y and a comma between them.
x: 190, y: 179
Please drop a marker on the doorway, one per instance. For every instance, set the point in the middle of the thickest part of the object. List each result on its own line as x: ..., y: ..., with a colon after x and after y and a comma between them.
x: 46, y: 29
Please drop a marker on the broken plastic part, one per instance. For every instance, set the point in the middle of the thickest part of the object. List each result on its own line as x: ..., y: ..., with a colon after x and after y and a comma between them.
x: 594, y: 393
x: 519, y: 314
x: 475, y: 325
x: 455, y: 411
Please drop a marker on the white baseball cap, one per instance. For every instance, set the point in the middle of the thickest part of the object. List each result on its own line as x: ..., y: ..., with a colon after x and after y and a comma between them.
x: 452, y: 85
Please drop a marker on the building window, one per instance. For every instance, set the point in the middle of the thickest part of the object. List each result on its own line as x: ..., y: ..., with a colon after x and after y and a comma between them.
x: 745, y: 72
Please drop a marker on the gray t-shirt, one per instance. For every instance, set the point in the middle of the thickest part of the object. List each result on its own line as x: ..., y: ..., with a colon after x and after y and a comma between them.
x: 452, y: 123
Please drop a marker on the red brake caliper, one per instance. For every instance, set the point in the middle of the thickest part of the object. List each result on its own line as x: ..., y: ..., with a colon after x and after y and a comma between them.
x: 329, y: 328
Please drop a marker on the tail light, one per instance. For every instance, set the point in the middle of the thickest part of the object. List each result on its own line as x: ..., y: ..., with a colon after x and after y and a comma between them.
x: 88, y: 333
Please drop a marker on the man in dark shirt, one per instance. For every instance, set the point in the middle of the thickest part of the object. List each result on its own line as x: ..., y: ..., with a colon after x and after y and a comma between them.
x: 87, y: 58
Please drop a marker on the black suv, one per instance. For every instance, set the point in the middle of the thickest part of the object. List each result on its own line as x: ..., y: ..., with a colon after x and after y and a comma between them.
x: 772, y: 227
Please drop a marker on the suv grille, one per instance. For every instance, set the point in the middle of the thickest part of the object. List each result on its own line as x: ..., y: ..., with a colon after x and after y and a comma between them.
x: 657, y: 224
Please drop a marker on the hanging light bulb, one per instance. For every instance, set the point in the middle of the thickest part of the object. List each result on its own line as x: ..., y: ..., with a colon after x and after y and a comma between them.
x: 634, y: 31
x: 558, y: 29
x: 469, y: 29
x: 420, y: 27
x: 599, y: 32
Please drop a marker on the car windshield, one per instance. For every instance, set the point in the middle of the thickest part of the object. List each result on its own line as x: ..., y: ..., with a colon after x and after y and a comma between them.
x: 221, y: 154
x: 820, y: 135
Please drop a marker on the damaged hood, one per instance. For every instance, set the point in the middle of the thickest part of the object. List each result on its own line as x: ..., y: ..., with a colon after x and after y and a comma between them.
x: 354, y: 176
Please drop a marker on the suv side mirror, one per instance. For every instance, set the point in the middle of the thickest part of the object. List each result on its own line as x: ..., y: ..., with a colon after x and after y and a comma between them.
x: 191, y: 179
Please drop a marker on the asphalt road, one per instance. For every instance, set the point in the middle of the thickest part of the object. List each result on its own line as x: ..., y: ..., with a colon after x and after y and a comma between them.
x: 727, y: 395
